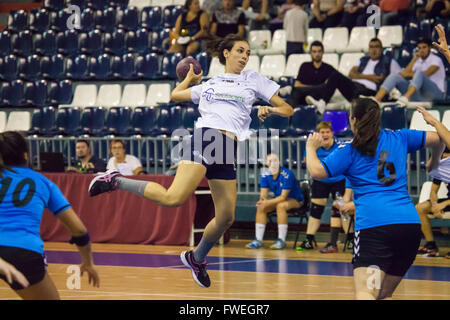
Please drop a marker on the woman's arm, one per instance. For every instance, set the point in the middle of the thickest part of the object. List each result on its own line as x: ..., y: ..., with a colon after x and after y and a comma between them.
x: 434, y: 142
x: 442, y: 45
x: 279, y: 107
x: 182, y: 92
x: 204, y: 27
x: 313, y: 164
x: 442, y: 131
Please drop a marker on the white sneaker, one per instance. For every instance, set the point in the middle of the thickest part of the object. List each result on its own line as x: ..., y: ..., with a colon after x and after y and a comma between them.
x: 403, y: 101
x: 320, y: 104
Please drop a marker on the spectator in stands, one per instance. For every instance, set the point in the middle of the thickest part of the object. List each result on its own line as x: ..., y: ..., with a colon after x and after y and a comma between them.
x: 277, y: 23
x: 287, y: 195
x: 352, y: 9
x: 320, y: 191
x: 427, y: 73
x: 436, y: 207
x: 364, y: 78
x: 392, y: 10
x: 228, y: 20
x: 437, y: 9
x: 87, y: 162
x: 126, y: 164
x: 257, y: 11
x: 311, y: 76
x: 191, y: 27
x: 327, y: 13
x: 210, y: 6
x: 296, y: 25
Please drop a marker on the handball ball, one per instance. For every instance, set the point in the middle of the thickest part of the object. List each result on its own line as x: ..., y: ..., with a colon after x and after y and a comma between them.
x: 183, y: 67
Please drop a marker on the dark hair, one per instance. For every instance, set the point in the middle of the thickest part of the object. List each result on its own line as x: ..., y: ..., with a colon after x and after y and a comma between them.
x: 427, y: 41
x: 316, y: 44
x: 187, y: 4
x: 83, y: 141
x: 367, y: 127
x: 216, y: 47
x: 117, y: 140
x: 376, y: 40
x: 13, y: 147
x: 300, y: 2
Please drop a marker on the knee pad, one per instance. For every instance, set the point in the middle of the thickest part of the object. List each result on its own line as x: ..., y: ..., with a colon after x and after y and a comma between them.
x: 335, y: 213
x: 316, y: 210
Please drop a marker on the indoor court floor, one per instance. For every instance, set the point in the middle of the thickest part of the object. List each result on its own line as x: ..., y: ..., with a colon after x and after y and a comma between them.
x: 151, y: 272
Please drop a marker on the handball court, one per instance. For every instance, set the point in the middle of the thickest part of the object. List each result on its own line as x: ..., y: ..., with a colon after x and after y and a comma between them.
x: 148, y: 272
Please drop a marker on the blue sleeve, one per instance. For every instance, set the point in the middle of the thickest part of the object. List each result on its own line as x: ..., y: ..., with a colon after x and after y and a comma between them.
x: 337, y: 162
x: 289, y: 182
x: 415, y: 139
x: 57, y: 203
x: 348, y: 185
x: 263, y: 182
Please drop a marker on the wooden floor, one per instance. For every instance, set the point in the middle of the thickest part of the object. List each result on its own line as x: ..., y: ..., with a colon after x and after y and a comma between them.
x: 167, y: 283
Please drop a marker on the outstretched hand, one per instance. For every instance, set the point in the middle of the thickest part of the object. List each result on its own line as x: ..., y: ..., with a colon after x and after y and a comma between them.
x: 314, y: 141
x: 442, y: 45
x: 427, y: 116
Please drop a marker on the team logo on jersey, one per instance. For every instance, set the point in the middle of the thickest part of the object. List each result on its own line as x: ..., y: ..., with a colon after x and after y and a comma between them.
x: 208, y: 94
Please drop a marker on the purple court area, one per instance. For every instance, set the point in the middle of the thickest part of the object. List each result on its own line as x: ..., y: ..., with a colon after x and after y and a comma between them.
x: 326, y: 268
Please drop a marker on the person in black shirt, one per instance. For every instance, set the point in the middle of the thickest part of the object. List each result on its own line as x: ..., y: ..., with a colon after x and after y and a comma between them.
x: 228, y: 20
x: 86, y: 163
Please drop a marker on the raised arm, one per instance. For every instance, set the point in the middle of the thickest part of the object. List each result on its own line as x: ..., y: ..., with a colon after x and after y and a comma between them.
x: 182, y: 92
x: 313, y: 164
x: 442, y: 45
x: 442, y: 131
x: 279, y: 107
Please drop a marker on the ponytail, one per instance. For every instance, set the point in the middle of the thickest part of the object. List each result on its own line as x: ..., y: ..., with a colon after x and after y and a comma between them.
x: 367, y: 127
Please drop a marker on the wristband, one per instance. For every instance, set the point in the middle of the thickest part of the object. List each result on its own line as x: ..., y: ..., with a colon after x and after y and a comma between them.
x: 80, y: 241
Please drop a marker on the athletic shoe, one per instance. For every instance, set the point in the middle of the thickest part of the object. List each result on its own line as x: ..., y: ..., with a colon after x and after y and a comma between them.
x: 447, y: 255
x: 428, y: 249
x: 255, y: 244
x: 403, y: 101
x: 104, y: 182
x: 198, y: 269
x: 329, y: 248
x: 433, y: 253
x: 319, y: 104
x: 278, y: 245
x: 305, y: 245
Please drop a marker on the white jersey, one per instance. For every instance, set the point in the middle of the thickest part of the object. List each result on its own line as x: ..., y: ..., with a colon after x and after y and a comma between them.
x: 442, y: 171
x: 225, y: 101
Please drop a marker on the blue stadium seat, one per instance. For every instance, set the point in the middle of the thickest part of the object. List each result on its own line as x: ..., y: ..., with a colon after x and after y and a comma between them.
x: 39, y: 20
x: 411, y: 32
x: 119, y: 3
x: 122, y: 67
x: 148, y: 66
x: 151, y: 18
x: 60, y: 92
x: 100, y: 68
x: 106, y: 20
x: 8, y: 67
x: 67, y: 121
x: 17, y: 20
x: 80, y: 3
x: 405, y: 54
x: 29, y: 68
x: 164, y: 40
x: 22, y: 43
x: 339, y: 121
x: 98, y: 4
x: 277, y: 122
x: 204, y: 60
x: 91, y: 42
x: 393, y: 117
x: 128, y: 18
x: 93, y: 121
x: 190, y: 116
x: 45, y: 43
x: 176, y: 117
x: 256, y: 123
x: 114, y: 43
x: 76, y: 68
x: 43, y: 122
x: 35, y: 93
x: 170, y: 15
x: 304, y: 120
x: 54, y: 5
x: 425, y: 28
x: 169, y: 64
x: 59, y: 20
x: 143, y: 121
x: 87, y: 21
x: 5, y: 43
x: 52, y: 67
x: 137, y: 41
x: 67, y: 42
x: 164, y: 121
x: 118, y: 121
x: 12, y: 93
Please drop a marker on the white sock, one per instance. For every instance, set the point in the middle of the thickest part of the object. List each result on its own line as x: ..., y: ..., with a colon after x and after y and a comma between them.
x: 282, y: 231
x: 259, y: 231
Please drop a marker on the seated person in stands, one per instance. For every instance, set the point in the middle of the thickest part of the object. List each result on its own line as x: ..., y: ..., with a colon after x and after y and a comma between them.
x: 191, y: 26
x: 287, y: 195
x: 87, y: 162
x: 423, y: 78
x: 257, y: 11
x: 364, y: 78
x: 327, y: 13
x: 228, y: 20
x: 126, y: 164
x: 436, y: 207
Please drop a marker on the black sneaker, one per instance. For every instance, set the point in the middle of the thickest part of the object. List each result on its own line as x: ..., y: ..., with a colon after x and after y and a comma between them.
x: 306, y: 245
x: 428, y: 249
x: 104, y: 182
x: 198, y: 269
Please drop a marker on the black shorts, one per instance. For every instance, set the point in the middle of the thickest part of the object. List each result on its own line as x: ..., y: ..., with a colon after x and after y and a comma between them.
x: 216, y: 151
x: 32, y: 264
x: 321, y: 190
x: 392, y: 248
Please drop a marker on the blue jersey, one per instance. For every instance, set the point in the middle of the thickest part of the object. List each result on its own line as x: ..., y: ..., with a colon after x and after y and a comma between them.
x: 322, y: 153
x: 379, y: 183
x: 285, y: 181
x: 24, y: 194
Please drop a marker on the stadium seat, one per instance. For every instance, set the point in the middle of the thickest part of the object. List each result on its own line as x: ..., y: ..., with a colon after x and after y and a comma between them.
x: 304, y: 120
x: 43, y: 122
x: 273, y: 66
x: 204, y: 60
x: 314, y: 34
x: 8, y: 67
x: 80, y: 3
x: 67, y: 122
x: 92, y: 121
x: 109, y: 95
x: 215, y: 68
x: 76, y: 68
x: 393, y: 117
x: 17, y: 20
x: 418, y: 123
x: 339, y: 121
x: 335, y: 39
x: 176, y: 117
x: 405, y: 54
x: 137, y: 41
x: 67, y: 42
x: 162, y: 3
x: 91, y: 42
x: 143, y: 121
x: 2, y: 121
x: 278, y: 123
x: 100, y: 68
x: 39, y: 20
x: 106, y: 21
x: 169, y: 64
x: 348, y: 61
x: 54, y: 5
x: 163, y: 39
x: 294, y: 62
x: 85, y: 95
x: 425, y: 27
x: 35, y: 93
x: 253, y: 63
x: 391, y: 36
x: 98, y: 4
x: 164, y: 121
x: 278, y: 44
x: 259, y: 39
x: 45, y: 43
x: 148, y: 66
x: 127, y: 67
x: 359, y: 40
x: 118, y: 121
x: 114, y: 43
x: 5, y: 43
x: 151, y: 17
x: 170, y: 14
x: 332, y: 59
x: 29, y: 68
x: 158, y: 93
x: 128, y: 18
x: 18, y: 121
x: 182, y: 2
x: 446, y: 119
x: 140, y: 4
x: 22, y: 43
x: 87, y: 20
x: 52, y: 67
x: 190, y: 116
x: 59, y: 92
x: 133, y: 95
x: 59, y: 20
x: 255, y: 124
x: 411, y: 32
x: 12, y: 93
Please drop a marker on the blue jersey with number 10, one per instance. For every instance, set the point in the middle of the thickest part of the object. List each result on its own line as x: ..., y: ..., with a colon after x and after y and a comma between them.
x: 379, y: 183
x: 24, y: 194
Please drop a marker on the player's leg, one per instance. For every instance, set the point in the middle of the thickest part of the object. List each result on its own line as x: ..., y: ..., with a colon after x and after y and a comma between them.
x: 423, y: 209
x: 192, y: 47
x: 44, y: 290
x: 367, y: 282
x: 316, y: 211
x: 335, y: 219
x: 260, y: 226
x: 282, y: 220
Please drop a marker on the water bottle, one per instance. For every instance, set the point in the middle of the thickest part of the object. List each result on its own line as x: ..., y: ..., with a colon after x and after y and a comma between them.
x: 340, y: 202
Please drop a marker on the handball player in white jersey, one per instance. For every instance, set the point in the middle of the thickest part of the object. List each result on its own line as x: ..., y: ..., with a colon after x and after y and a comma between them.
x: 225, y: 103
